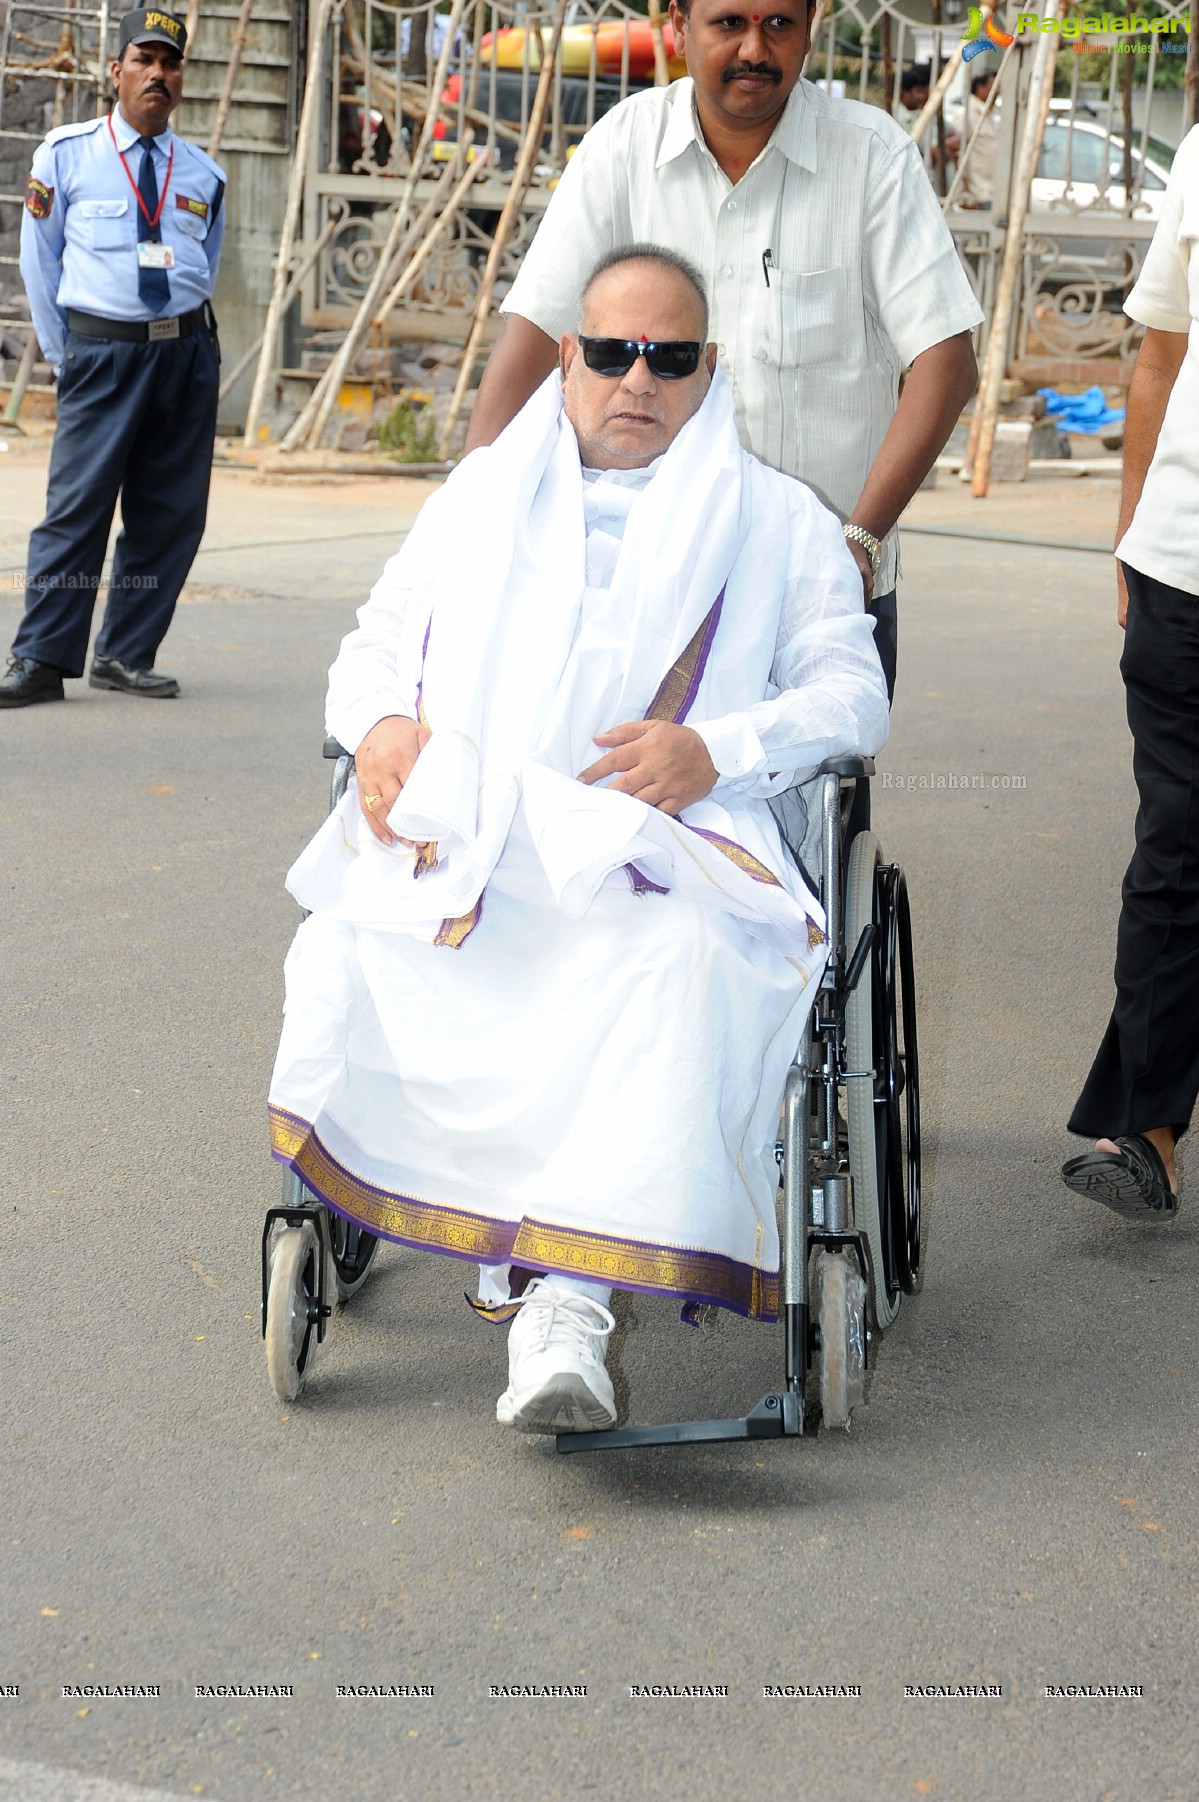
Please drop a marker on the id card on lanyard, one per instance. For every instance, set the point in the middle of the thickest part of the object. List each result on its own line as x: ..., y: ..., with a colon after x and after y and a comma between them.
x: 150, y: 253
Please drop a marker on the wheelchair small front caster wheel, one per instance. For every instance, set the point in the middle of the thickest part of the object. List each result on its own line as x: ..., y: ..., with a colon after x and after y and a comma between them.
x: 842, y: 1355
x: 292, y: 1310
x: 352, y: 1251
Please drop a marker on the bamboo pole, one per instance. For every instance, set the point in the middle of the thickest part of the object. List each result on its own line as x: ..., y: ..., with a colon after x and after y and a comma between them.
x: 20, y: 381
x: 888, y: 63
x: 240, y: 31
x: 315, y: 417
x: 444, y: 220
x: 293, y: 288
x: 986, y: 406
x: 1190, y: 105
x: 403, y: 250
x: 309, y: 115
x: 504, y: 224
x: 191, y: 20
x: 661, y: 71
x: 932, y: 105
x: 414, y: 105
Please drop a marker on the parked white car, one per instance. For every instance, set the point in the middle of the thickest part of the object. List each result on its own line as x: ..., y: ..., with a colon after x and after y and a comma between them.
x: 1078, y: 143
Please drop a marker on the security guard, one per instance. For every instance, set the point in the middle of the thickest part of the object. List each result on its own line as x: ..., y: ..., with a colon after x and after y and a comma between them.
x: 120, y: 241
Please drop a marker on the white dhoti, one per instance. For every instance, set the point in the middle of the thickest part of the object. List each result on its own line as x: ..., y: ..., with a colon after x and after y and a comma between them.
x: 595, y: 1096
x: 560, y: 1042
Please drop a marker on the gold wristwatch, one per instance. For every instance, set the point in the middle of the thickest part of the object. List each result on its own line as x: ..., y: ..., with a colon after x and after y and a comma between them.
x: 872, y: 546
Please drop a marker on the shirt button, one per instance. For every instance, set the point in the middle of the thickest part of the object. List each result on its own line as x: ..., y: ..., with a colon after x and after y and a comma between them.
x: 728, y: 269
x: 732, y: 206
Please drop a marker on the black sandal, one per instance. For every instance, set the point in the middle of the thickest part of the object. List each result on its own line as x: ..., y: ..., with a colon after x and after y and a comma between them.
x: 1133, y: 1183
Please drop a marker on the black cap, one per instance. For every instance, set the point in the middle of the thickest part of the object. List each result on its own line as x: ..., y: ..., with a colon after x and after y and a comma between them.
x: 150, y: 26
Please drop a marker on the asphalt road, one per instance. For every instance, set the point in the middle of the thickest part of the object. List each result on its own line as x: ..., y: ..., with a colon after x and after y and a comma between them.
x: 1014, y: 1507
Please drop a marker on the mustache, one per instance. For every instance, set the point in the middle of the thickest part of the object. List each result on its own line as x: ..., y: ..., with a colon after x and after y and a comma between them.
x: 157, y: 87
x: 761, y: 69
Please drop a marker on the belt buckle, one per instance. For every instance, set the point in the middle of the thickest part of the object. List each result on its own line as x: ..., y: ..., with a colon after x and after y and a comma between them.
x: 162, y: 328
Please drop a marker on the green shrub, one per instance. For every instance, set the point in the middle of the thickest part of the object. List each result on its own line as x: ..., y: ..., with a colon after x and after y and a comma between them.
x: 409, y: 432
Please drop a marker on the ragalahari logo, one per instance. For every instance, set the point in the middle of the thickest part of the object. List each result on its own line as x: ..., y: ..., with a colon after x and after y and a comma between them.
x: 979, y: 37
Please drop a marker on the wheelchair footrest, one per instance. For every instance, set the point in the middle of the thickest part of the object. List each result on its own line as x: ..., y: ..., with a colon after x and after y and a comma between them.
x: 778, y: 1416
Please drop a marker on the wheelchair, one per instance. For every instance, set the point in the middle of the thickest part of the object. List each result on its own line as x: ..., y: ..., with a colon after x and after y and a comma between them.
x: 849, y: 1157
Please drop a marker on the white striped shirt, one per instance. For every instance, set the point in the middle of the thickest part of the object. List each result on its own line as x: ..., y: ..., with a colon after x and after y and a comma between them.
x: 863, y: 274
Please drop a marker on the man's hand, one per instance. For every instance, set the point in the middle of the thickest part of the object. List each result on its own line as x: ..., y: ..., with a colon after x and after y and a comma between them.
x: 935, y: 389
x: 861, y: 557
x: 1121, y: 597
x: 666, y: 766
x: 384, y: 763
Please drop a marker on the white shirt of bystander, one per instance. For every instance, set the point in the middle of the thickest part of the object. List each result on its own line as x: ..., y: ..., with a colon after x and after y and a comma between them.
x: 1163, y: 539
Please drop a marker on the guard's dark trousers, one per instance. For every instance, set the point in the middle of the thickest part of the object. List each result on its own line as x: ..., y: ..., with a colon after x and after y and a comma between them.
x: 136, y: 420
x: 1146, y: 1073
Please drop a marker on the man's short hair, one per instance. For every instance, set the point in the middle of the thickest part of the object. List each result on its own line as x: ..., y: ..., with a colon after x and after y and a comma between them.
x: 919, y: 75
x: 650, y: 253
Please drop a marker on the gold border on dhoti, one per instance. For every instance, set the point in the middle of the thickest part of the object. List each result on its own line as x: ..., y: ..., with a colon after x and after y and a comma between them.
x: 691, y: 1274
x: 455, y: 931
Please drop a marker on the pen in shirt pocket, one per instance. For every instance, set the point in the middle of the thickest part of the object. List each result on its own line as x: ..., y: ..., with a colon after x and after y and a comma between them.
x: 767, y: 264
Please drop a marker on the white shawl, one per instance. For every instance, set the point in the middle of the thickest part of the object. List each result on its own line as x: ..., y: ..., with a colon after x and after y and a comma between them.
x: 494, y: 574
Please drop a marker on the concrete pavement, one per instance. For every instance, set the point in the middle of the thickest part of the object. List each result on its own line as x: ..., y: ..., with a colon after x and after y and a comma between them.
x: 1014, y: 1507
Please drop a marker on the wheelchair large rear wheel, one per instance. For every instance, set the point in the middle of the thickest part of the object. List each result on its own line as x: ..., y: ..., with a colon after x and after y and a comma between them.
x: 882, y: 1102
x: 902, y: 1068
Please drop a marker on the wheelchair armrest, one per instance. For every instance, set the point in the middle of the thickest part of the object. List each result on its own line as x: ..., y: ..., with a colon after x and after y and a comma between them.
x: 846, y: 766
x: 333, y: 750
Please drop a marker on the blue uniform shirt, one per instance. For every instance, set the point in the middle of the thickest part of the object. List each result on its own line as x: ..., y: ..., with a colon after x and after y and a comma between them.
x: 79, y: 227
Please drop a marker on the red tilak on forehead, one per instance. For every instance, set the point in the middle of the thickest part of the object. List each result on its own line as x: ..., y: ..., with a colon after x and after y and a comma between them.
x: 644, y: 339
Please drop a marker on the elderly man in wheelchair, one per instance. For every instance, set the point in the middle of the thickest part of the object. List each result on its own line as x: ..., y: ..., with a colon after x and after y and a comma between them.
x: 557, y: 960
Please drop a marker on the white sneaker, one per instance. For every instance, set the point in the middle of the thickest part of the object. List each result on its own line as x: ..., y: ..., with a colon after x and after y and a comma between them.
x: 557, y: 1382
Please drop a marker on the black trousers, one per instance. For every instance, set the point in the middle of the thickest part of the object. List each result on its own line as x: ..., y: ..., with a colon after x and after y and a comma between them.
x: 1146, y: 1072
x: 135, y: 420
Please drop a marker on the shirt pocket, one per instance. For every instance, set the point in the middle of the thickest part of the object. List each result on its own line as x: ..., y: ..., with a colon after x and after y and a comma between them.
x: 190, y: 225
x: 805, y: 317
x: 104, y: 224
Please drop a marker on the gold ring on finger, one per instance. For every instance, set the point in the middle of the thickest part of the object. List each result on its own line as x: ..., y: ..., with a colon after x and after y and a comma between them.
x: 368, y: 801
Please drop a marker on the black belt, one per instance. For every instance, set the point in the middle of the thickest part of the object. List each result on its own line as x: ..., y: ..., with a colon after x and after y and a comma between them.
x: 143, y: 331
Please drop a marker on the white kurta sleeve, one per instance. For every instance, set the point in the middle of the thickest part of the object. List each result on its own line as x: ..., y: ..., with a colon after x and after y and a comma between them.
x: 378, y: 667
x: 832, y: 697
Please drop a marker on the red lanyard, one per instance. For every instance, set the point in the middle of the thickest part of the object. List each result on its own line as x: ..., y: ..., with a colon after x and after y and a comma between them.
x: 137, y: 193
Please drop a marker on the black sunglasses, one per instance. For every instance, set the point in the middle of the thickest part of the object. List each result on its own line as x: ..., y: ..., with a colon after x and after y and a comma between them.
x: 616, y: 356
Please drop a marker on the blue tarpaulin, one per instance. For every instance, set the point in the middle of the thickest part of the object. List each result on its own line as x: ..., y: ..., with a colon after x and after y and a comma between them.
x: 1087, y: 412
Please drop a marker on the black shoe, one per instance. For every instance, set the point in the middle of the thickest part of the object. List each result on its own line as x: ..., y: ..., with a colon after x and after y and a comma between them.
x: 1132, y: 1181
x: 26, y: 682
x: 106, y: 672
